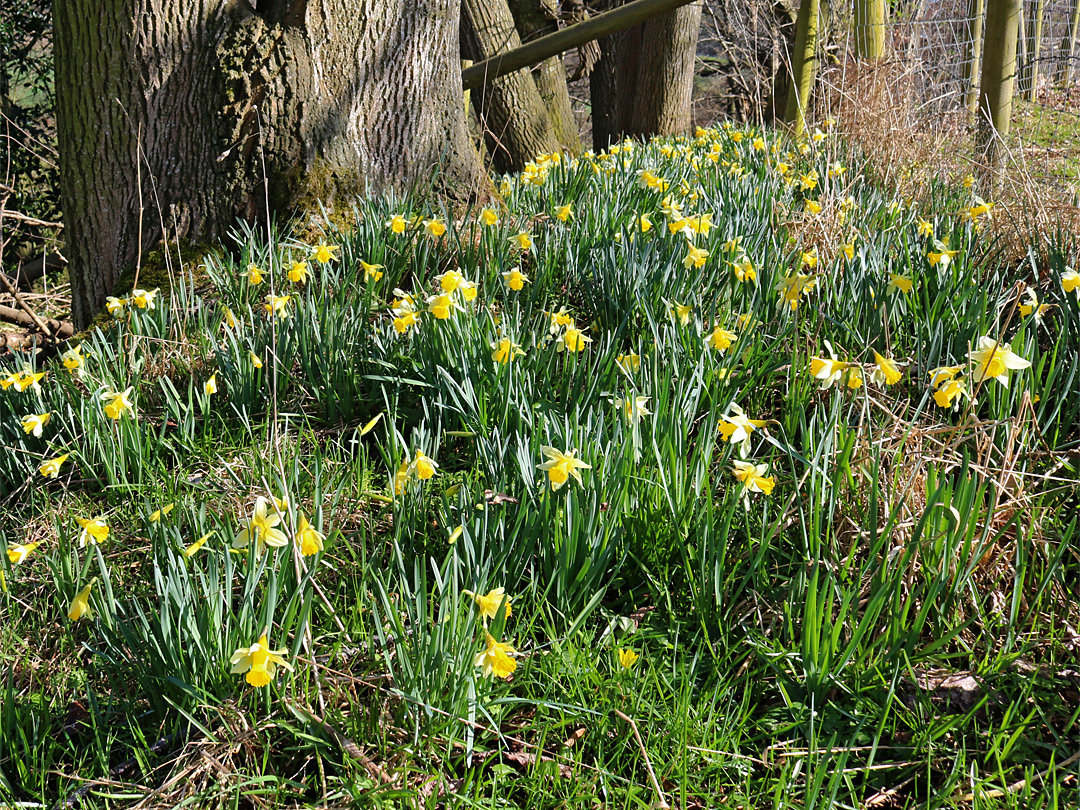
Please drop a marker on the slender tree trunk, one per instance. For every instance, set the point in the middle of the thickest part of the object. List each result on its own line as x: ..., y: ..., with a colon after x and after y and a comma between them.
x: 511, y: 111
x: 973, y: 57
x: 803, y: 65
x: 1068, y: 48
x: 166, y: 113
x: 996, y: 85
x: 644, y: 79
x: 869, y: 29
x: 535, y: 18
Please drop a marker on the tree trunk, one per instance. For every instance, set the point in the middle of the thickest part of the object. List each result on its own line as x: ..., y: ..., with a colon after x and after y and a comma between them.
x: 973, y: 57
x: 162, y: 109
x: 535, y: 18
x: 869, y: 29
x: 1068, y: 47
x: 643, y: 82
x: 1030, y: 76
x: 996, y: 86
x: 510, y: 109
x: 803, y: 65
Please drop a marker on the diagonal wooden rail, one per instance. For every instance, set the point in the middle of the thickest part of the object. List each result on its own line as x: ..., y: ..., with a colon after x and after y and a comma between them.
x: 531, y: 53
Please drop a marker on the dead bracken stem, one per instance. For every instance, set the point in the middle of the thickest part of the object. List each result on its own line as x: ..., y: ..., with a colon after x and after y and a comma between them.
x: 661, y: 802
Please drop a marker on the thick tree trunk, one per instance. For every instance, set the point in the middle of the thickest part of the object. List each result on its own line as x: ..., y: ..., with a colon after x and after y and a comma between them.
x: 996, y: 86
x: 803, y: 65
x: 535, y: 18
x: 973, y: 55
x: 869, y: 29
x: 511, y: 111
x: 162, y: 109
x: 1068, y: 47
x: 643, y: 82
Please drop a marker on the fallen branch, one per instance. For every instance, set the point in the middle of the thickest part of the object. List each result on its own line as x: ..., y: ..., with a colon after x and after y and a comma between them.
x: 60, y: 330
x: 32, y: 269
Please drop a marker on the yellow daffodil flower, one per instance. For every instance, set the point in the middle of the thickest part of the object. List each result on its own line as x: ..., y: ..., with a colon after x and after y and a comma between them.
x: 144, y: 299
x: 682, y: 313
x: 442, y: 306
x: 434, y: 227
x: 277, y: 305
x: 422, y: 467
x: 941, y: 255
x: 505, y: 351
x: 514, y: 279
x: 573, y: 340
x: 158, y: 514
x: 488, y: 218
x: 561, y: 465
x: 35, y: 423
x: 73, y: 359
x: 309, y: 540
x: 792, y: 286
x: 230, y: 319
x: 371, y: 271
x: 813, y: 207
x: 495, y: 659
x: 628, y: 363
x: 563, y: 213
x: 995, y: 360
x: 19, y: 552
x: 80, y: 605
x: 405, y: 321
x: 23, y: 380
x: 1031, y: 305
x: 735, y: 427
x: 261, y: 528
x: 259, y: 662
x: 490, y: 602
x: 949, y: 394
x: 94, y: 531
x: 829, y: 370
x: 397, y: 224
x: 886, y: 371
x: 644, y: 223
x: 253, y: 275
x: 51, y: 467
x: 695, y: 256
x: 324, y: 253
x: 299, y: 272
x: 194, y: 548
x: 210, y: 386
x: 899, y: 283
x: 115, y: 305
x: 753, y: 478
x: 255, y: 359
x: 1070, y: 281
x: 633, y: 408
x: 523, y: 241
x: 721, y: 339
x: 118, y: 403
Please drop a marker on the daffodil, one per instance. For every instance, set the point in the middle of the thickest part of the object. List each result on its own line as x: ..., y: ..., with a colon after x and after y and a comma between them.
x: 401, y: 478
x: 422, y: 467
x: 434, y: 227
x: 35, y: 422
x: 848, y: 251
x: 324, y: 253
x: 118, y: 403
x: 309, y: 540
x: 505, y: 351
x: 514, y: 279
x: 19, y: 552
x: 792, y: 287
x: 371, y: 271
x: 158, y: 514
x: 628, y: 363
x: 563, y: 213
x: 744, y: 269
x: 442, y: 306
x: 261, y: 528
x: 561, y: 465
x: 735, y: 427
x: 397, y: 224
x: 23, y: 380
x: 467, y: 289
x: 523, y: 241
x: 573, y: 340
x: 255, y: 359
x: 941, y: 253
x: 51, y: 467
x: 633, y: 408
x: 950, y: 392
x: 886, y: 371
x: 230, y: 319
x: 995, y: 360
x: 627, y: 658
x: 558, y: 320
x: 259, y: 662
x: 828, y: 369
x: 809, y: 258
x: 721, y: 339
x: 144, y: 299
x: 405, y: 321
x: 813, y: 207
x: 73, y: 359
x: 695, y: 256
x: 94, y: 531
x: 924, y: 228
x: 80, y: 605
x: 253, y: 275
x: 943, y: 374
x: 277, y: 305
x: 1070, y: 281
x: 299, y: 272
x: 210, y: 386
x: 899, y: 283
x: 496, y: 658
x: 753, y: 478
x: 1031, y: 305
x: 195, y: 547
x: 644, y: 223
x: 490, y: 602
x: 115, y: 305
x: 488, y: 218
x: 682, y: 312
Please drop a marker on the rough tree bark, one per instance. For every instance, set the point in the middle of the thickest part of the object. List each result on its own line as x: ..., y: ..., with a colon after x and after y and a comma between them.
x: 803, y: 65
x: 162, y: 108
x: 996, y: 85
x: 535, y: 18
x: 511, y: 111
x: 643, y: 82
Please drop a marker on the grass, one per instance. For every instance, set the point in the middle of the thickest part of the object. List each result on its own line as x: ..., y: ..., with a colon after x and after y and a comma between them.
x: 879, y: 613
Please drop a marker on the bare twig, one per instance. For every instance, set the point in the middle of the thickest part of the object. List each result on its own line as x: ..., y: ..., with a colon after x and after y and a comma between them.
x: 660, y: 800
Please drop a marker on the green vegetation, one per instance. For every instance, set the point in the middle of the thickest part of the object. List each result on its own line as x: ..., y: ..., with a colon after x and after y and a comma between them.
x: 845, y: 586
